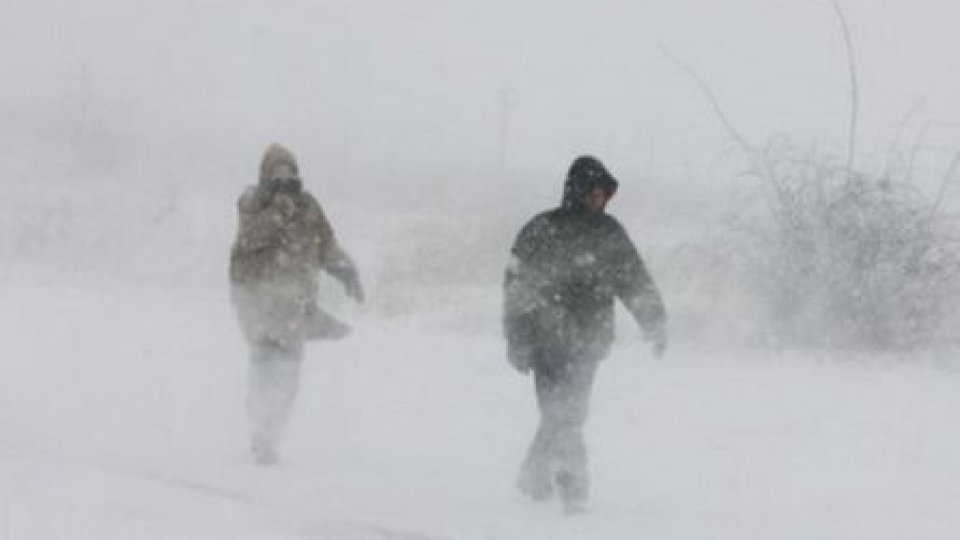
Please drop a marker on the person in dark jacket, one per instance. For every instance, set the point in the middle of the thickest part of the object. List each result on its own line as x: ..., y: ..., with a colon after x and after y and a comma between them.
x: 283, y: 242
x: 566, y: 268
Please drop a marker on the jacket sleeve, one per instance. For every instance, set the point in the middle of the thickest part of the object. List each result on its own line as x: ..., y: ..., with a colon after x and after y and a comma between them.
x: 634, y: 285
x: 338, y: 264
x: 333, y: 258
x: 521, y: 298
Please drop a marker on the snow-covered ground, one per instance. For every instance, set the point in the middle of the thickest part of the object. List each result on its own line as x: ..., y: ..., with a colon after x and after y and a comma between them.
x: 121, y: 417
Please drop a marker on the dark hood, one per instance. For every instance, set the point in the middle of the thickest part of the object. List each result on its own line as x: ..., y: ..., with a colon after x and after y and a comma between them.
x: 586, y: 173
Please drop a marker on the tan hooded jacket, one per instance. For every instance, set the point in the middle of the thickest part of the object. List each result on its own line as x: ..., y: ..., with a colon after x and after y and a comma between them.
x: 283, y: 241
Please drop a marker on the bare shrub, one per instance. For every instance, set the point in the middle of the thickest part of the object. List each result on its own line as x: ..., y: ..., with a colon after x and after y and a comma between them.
x: 843, y: 259
x: 836, y: 257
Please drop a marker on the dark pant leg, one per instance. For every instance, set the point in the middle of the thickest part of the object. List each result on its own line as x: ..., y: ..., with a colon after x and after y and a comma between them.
x: 535, y: 472
x: 563, y: 396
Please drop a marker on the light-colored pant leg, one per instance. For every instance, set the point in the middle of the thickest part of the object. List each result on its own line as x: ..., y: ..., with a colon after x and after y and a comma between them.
x: 274, y: 379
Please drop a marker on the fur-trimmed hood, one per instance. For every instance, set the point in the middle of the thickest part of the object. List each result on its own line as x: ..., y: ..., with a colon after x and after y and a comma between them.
x: 275, y: 156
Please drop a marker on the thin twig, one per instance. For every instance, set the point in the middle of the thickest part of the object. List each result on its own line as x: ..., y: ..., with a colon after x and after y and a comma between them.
x: 712, y: 98
x: 854, y: 86
x: 758, y: 160
x: 915, y: 149
x: 944, y: 185
x: 895, y: 145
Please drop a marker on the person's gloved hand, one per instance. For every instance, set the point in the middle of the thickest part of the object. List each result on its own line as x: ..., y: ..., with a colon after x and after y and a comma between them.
x: 658, y: 337
x: 351, y: 284
x: 520, y: 357
x: 285, y: 206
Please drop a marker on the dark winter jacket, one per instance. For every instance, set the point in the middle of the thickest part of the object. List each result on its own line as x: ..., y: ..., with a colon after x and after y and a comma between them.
x: 567, y: 266
x: 283, y: 241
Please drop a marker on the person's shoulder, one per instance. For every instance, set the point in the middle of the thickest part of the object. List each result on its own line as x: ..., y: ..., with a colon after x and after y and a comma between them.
x: 611, y: 221
x: 309, y: 201
x: 612, y: 228
x: 249, y: 200
x: 305, y: 195
x: 540, y: 221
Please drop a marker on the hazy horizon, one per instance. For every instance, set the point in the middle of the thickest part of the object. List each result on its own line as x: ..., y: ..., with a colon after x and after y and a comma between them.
x: 371, y: 91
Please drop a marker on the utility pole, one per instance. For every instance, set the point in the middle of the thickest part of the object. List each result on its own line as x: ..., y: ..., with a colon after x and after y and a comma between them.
x: 504, y: 131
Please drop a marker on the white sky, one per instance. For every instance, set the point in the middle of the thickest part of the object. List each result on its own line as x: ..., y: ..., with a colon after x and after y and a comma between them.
x: 381, y: 89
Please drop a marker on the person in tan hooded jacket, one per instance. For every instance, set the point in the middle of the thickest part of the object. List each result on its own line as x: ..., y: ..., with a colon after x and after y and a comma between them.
x: 283, y: 242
